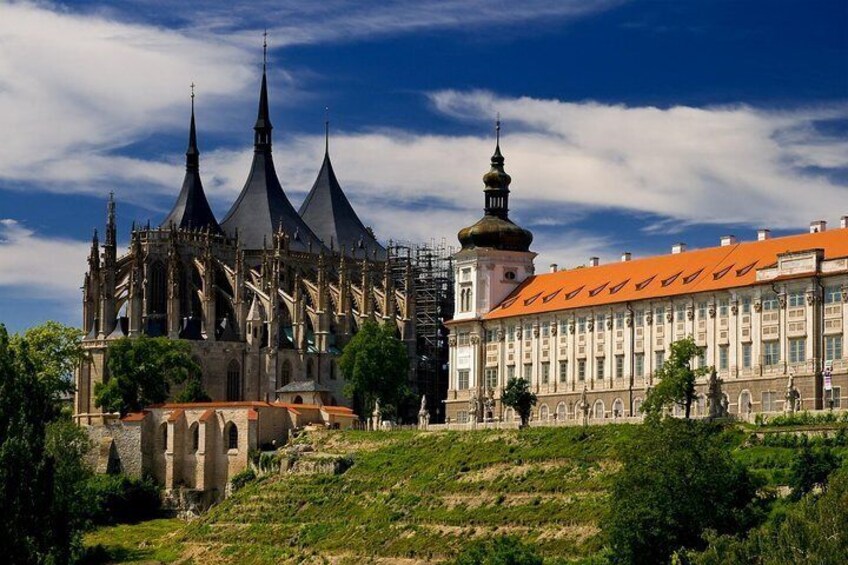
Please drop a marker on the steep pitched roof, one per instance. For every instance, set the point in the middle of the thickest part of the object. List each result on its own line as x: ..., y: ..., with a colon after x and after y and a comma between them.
x: 701, y: 270
x: 262, y: 207
x: 191, y: 210
x: 330, y: 215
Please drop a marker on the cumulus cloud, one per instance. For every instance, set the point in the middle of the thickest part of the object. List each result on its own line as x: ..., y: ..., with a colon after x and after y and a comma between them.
x: 45, y: 267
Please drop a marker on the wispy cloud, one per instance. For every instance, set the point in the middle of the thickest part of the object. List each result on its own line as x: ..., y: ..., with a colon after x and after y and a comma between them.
x: 45, y: 267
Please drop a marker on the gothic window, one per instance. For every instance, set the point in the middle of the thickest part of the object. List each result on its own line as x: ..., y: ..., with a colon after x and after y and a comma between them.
x: 233, y: 381
x: 618, y: 408
x: 158, y: 289
x: 285, y: 373
x: 297, y: 400
x: 231, y: 436
x: 309, y: 369
x: 195, y: 437
x: 561, y: 411
x: 164, y: 434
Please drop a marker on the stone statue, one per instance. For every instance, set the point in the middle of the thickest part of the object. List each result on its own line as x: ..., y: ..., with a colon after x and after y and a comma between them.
x: 376, y: 415
x: 423, y: 414
x: 489, y: 406
x: 715, y: 399
x: 583, y: 405
x: 473, y: 407
x: 792, y: 398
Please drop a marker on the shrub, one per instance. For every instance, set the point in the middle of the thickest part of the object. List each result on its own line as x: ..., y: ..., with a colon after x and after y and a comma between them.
x: 504, y: 550
x: 242, y: 479
x: 117, y: 499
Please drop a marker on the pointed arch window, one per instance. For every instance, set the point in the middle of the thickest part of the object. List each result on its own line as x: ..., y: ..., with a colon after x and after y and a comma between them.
x: 233, y: 381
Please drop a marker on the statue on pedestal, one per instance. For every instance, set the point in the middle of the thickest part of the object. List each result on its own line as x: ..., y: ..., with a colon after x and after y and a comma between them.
x: 583, y: 406
x: 423, y: 414
x: 715, y: 399
x: 473, y: 408
x: 489, y: 406
x: 376, y: 415
x: 792, y: 398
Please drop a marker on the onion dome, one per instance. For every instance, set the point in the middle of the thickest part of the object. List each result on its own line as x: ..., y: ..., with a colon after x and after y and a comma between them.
x: 495, y: 230
x: 191, y: 210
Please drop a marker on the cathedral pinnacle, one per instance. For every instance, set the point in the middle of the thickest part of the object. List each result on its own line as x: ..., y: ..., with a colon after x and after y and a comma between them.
x: 263, y: 127
x: 192, y: 153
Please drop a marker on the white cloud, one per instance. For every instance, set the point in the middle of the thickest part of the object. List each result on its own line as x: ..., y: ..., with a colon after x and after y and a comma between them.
x: 45, y: 267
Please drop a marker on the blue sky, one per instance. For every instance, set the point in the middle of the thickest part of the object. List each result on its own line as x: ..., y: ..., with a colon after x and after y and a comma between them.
x: 628, y: 125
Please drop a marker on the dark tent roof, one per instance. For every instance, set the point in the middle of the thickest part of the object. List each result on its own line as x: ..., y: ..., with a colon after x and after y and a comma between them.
x: 328, y: 212
x: 191, y: 210
x: 262, y: 207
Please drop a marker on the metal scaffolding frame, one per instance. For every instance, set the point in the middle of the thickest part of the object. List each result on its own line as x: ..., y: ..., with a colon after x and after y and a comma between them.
x: 432, y: 274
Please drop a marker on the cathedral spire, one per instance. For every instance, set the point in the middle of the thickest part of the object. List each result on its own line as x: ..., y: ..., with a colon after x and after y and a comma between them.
x: 192, y: 153
x: 110, y: 221
x: 263, y: 127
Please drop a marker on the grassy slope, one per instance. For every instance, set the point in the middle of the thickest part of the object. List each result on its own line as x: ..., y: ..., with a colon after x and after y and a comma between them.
x: 422, y: 496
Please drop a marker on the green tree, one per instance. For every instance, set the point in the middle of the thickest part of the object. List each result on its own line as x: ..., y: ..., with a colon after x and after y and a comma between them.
x: 676, y: 380
x: 375, y: 365
x: 504, y: 550
x: 678, y: 480
x: 42, y: 472
x: 811, y: 468
x: 55, y: 350
x: 517, y: 395
x: 142, y: 370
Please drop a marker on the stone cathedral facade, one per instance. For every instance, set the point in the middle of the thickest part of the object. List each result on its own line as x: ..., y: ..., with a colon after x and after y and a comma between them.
x: 267, y: 296
x: 770, y: 315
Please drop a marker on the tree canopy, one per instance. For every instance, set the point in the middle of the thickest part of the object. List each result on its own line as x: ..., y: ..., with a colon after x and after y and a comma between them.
x: 375, y: 365
x: 678, y: 479
x: 42, y: 472
x: 676, y: 380
x: 517, y: 395
x: 142, y: 370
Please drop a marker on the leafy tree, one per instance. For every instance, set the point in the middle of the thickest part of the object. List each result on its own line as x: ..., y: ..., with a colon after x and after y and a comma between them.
x: 41, y: 459
x: 504, y: 550
x: 55, y: 350
x: 812, y: 531
x: 811, y: 468
x: 678, y: 479
x: 142, y: 370
x: 676, y: 380
x: 517, y: 395
x: 375, y: 365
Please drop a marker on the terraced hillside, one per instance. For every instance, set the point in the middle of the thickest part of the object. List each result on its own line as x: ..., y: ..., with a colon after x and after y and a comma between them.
x: 421, y: 497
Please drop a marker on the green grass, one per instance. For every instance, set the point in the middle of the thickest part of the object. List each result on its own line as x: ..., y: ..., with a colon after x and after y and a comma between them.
x: 421, y: 496
x: 134, y: 543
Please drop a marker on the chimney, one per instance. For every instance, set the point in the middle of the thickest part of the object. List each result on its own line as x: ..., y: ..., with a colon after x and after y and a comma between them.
x: 678, y: 248
x: 843, y: 222
x: 818, y: 226
x: 728, y: 240
x: 625, y: 257
x: 594, y: 261
x: 763, y: 234
x: 554, y: 267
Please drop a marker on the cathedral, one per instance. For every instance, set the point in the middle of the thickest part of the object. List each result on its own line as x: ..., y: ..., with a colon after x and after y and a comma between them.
x: 267, y: 296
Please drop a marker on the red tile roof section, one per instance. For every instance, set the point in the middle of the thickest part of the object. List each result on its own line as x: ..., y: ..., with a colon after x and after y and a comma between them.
x: 175, y: 415
x: 663, y: 276
x: 207, y: 415
x: 134, y: 417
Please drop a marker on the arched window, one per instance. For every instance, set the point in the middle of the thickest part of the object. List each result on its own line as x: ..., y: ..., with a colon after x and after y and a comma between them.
x: 617, y: 408
x: 233, y: 381
x: 637, y: 404
x: 598, y: 411
x: 509, y: 415
x: 561, y: 411
x: 297, y: 400
x: 195, y: 437
x: 158, y: 289
x: 164, y: 428
x: 285, y: 373
x: 309, y: 369
x: 543, y: 412
x: 332, y: 370
x: 231, y: 436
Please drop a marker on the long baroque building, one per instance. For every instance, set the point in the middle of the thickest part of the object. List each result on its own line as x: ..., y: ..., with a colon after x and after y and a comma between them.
x: 593, y: 336
x: 267, y: 297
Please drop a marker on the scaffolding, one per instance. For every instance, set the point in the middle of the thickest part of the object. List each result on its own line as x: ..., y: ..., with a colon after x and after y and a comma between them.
x: 432, y: 275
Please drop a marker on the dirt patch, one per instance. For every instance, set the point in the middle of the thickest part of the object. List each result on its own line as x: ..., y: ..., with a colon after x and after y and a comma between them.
x: 512, y: 470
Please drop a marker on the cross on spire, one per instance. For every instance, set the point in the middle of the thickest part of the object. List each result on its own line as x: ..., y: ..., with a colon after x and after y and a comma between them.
x: 265, y: 47
x: 327, y: 130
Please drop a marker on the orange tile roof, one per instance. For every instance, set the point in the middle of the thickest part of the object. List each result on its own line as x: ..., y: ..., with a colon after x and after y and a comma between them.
x: 207, y: 415
x: 134, y: 417
x: 175, y: 415
x: 663, y: 276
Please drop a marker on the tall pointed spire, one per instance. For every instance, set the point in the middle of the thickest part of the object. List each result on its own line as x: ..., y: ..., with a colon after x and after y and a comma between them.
x: 263, y: 127
x: 110, y: 221
x: 191, y: 210
x: 192, y: 153
x: 326, y: 130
